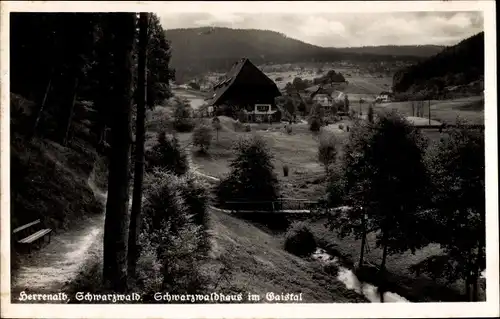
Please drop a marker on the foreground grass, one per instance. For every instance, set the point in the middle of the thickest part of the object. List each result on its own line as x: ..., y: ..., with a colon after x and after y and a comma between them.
x: 256, y: 262
x: 243, y: 259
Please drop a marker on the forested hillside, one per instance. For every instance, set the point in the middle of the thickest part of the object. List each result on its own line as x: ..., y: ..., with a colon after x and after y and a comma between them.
x: 397, y: 50
x: 456, y: 66
x: 198, y: 50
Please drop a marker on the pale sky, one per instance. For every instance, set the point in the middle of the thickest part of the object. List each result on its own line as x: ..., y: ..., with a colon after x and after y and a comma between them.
x: 343, y: 29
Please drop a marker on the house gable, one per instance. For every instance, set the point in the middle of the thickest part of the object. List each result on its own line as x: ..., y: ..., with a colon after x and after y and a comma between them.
x: 244, y: 82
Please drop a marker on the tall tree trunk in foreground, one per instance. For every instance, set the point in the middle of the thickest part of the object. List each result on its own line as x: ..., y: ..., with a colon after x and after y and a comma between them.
x: 382, y: 275
x: 475, y: 278
x: 135, y: 218
x: 116, y: 224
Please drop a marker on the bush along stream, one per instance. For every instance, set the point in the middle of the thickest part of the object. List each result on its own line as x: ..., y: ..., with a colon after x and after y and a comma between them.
x: 351, y: 281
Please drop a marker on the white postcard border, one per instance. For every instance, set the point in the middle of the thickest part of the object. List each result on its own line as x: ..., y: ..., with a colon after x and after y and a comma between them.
x: 410, y: 310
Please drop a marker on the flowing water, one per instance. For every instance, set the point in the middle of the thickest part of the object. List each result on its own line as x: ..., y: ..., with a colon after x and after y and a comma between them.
x: 351, y: 281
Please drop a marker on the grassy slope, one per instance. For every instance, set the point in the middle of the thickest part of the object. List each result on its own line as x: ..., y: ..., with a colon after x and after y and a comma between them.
x: 470, y: 108
x: 298, y: 151
x: 53, y: 185
x: 257, y: 263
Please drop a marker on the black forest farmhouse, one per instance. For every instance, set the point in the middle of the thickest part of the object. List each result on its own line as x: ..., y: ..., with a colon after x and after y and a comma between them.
x: 247, y: 88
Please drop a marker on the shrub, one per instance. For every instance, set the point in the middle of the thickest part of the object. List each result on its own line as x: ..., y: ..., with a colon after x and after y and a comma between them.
x: 285, y: 170
x: 202, y: 137
x: 336, y: 184
x: 242, y: 116
x: 341, y: 126
x: 172, y: 244
x: 370, y: 113
x: 299, y: 240
x: 194, y: 85
x: 183, y: 125
x: 183, y: 121
x: 327, y: 149
x: 196, y: 199
x: 289, y: 129
x: 248, y: 128
x: 166, y: 154
x: 158, y: 120
x: 315, y: 124
x: 252, y: 176
x: 238, y: 126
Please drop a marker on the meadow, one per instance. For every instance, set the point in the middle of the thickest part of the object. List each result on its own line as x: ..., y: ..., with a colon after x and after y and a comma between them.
x: 306, y: 180
x: 445, y: 111
x: 298, y: 151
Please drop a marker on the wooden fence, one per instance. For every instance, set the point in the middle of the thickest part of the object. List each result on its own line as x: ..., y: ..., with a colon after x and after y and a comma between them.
x: 285, y: 205
x: 443, y: 127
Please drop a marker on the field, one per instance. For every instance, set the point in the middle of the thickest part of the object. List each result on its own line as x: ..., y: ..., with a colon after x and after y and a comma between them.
x: 442, y: 111
x: 471, y: 109
x: 298, y: 151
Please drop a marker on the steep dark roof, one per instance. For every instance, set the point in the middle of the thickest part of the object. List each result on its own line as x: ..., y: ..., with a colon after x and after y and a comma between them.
x: 223, y: 85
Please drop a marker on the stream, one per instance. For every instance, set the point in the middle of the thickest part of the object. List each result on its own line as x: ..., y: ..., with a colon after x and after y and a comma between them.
x: 349, y: 279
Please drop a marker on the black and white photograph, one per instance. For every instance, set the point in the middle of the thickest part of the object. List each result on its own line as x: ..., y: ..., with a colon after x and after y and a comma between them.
x: 249, y: 154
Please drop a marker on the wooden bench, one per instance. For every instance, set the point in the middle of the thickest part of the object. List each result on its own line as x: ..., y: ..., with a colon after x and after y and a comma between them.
x: 30, y: 234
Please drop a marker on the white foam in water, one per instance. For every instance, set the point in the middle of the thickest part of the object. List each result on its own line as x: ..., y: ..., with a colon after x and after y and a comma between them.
x: 351, y: 281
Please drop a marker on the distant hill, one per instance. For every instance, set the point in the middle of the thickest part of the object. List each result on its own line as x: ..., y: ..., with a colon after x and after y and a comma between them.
x: 396, y: 50
x: 459, y: 66
x: 198, y: 50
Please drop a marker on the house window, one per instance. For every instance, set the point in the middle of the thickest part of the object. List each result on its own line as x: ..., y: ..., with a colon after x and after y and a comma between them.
x: 262, y: 107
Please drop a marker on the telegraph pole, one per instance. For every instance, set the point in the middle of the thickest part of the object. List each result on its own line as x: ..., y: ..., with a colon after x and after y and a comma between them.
x: 429, y: 112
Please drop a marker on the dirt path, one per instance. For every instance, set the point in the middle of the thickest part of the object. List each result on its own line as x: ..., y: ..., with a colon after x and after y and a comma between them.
x: 49, y: 269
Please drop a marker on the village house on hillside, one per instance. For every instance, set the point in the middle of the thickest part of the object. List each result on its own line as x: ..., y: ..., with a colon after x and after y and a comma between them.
x: 328, y: 96
x: 322, y: 96
x: 384, y: 97
x: 247, y: 88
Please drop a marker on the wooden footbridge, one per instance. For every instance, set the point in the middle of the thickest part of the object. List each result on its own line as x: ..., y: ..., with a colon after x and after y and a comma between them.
x: 281, y: 206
